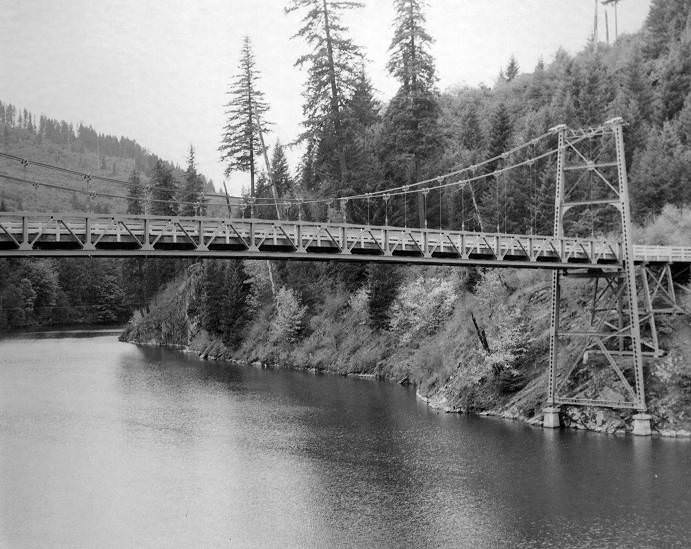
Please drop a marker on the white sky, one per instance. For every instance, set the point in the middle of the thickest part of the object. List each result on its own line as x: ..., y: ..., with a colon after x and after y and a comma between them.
x: 157, y: 71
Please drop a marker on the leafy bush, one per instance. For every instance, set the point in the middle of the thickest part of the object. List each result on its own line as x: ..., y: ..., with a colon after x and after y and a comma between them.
x: 288, y: 321
x: 507, y: 333
x: 671, y: 228
x: 421, y: 306
x: 358, y: 304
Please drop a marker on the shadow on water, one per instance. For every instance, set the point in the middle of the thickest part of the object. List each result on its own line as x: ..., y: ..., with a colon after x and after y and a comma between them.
x: 76, y: 331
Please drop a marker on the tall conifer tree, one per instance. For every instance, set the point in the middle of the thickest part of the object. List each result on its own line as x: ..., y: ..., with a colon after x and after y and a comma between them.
x: 411, y: 62
x: 240, y: 143
x: 411, y: 136
x: 493, y: 207
x: 332, y: 67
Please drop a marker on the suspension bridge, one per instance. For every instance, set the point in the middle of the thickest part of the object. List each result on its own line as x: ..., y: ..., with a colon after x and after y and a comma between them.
x: 631, y: 284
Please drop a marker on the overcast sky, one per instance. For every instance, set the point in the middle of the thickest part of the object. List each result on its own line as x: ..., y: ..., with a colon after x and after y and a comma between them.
x: 157, y: 71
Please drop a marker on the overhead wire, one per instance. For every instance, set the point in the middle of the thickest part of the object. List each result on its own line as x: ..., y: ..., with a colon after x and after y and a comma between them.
x: 82, y: 191
x: 385, y: 194
x: 404, y: 190
x: 379, y: 193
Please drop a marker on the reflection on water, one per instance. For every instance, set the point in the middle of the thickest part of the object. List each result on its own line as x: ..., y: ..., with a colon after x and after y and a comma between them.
x: 104, y: 444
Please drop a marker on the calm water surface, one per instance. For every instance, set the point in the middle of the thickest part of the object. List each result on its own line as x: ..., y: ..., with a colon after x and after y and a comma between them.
x: 104, y: 444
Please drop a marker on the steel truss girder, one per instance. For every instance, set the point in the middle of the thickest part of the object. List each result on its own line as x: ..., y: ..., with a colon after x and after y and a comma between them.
x: 27, y: 234
x: 661, y: 289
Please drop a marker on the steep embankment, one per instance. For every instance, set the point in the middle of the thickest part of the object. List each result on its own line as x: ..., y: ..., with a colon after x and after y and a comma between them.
x: 496, y: 368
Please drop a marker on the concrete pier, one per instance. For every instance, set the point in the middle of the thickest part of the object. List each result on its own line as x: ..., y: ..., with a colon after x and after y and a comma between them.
x: 550, y: 417
x: 641, y: 425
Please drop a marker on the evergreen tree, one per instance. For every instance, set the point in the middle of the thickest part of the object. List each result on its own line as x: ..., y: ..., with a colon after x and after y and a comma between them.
x: 236, y: 312
x: 281, y: 172
x: 246, y: 108
x: 471, y: 137
x: 676, y: 77
x: 332, y: 69
x: 212, y: 296
x: 137, y: 195
x: 685, y: 123
x: 491, y: 189
x: 410, y: 61
x: 361, y: 115
x: 666, y: 22
x: 512, y: 69
x: 163, y: 190
x: 192, y: 195
x: 661, y: 174
x: 411, y: 136
x: 225, y: 292
x: 591, y: 87
x: 10, y: 112
x: 633, y: 101
x: 382, y: 286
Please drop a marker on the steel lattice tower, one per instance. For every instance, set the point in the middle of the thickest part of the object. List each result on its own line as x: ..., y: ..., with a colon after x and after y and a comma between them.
x: 591, y: 175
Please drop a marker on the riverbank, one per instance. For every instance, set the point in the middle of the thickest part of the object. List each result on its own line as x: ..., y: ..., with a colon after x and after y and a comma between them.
x: 448, y: 365
x: 606, y: 421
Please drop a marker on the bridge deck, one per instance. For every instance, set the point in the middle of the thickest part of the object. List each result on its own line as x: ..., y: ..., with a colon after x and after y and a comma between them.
x: 50, y: 235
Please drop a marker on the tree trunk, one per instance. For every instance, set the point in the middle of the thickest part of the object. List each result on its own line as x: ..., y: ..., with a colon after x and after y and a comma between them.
x: 335, y: 113
x: 477, y: 210
x: 251, y: 143
x: 481, y: 335
x: 412, y: 68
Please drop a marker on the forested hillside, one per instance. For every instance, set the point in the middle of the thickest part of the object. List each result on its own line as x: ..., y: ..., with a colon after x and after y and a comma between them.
x: 67, y: 291
x: 418, y: 324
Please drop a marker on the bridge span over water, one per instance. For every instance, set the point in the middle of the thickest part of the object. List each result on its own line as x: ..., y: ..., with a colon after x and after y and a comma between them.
x: 26, y: 234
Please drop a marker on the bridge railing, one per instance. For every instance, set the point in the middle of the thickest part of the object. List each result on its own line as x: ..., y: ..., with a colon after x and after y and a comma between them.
x: 662, y: 254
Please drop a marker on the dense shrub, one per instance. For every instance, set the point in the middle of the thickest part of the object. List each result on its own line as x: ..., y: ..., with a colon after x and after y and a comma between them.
x: 421, y: 306
x: 288, y: 321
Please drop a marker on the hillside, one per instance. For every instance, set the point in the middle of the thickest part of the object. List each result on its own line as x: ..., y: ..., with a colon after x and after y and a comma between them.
x: 70, y: 291
x: 57, y: 143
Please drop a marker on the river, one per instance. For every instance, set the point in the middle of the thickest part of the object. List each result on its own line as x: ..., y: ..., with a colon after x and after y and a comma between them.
x: 106, y: 444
